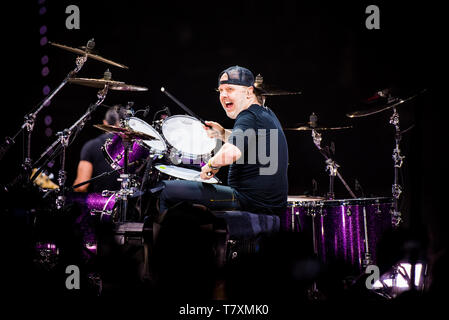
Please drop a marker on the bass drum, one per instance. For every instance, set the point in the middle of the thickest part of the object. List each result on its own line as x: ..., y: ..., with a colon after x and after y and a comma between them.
x: 340, y: 231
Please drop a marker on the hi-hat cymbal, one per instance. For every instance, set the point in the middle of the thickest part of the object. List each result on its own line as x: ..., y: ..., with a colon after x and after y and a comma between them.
x: 391, y: 103
x: 100, y: 83
x: 90, y: 55
x: 307, y: 128
x: 269, y: 90
x: 124, y: 132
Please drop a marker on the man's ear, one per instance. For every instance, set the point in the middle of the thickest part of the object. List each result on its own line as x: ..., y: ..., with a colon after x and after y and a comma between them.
x: 250, y: 92
x: 105, y: 122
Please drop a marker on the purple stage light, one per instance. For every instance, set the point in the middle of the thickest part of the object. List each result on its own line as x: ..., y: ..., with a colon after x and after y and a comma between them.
x: 48, y: 120
x: 46, y: 90
x: 44, y: 41
x: 45, y: 71
x: 43, y: 30
x: 48, y: 132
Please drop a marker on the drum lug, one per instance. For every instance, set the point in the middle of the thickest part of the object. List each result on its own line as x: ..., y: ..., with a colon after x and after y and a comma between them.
x: 348, y: 212
x: 367, y: 260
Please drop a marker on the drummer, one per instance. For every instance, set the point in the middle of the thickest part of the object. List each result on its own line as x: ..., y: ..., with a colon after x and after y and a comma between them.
x: 92, y: 162
x: 253, y: 184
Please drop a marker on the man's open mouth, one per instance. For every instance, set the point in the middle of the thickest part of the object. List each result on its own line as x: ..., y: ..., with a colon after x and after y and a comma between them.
x: 229, y: 105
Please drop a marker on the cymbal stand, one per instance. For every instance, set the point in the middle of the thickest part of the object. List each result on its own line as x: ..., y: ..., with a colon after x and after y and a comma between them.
x: 31, y: 117
x: 125, y: 189
x: 398, y: 161
x: 331, y: 166
x: 63, y: 142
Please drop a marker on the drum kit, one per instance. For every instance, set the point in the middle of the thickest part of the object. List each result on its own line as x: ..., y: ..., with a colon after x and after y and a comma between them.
x: 177, y: 146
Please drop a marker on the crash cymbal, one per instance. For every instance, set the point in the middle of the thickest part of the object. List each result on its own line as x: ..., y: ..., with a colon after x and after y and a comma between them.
x: 124, y: 132
x: 100, y: 83
x: 305, y: 128
x: 89, y: 55
x: 269, y: 90
x: 391, y: 103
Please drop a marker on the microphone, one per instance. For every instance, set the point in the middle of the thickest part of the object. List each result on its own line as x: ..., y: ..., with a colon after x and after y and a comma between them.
x: 314, y: 187
x: 358, y: 187
x: 313, y: 119
x: 90, y: 45
x: 168, y: 111
x: 147, y: 110
x: 383, y: 93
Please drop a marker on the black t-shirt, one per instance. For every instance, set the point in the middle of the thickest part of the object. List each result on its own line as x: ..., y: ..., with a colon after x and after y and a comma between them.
x: 92, y: 152
x: 260, y: 175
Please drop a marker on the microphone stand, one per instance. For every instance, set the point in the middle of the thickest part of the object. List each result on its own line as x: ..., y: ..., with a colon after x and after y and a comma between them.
x: 62, y: 143
x: 31, y: 117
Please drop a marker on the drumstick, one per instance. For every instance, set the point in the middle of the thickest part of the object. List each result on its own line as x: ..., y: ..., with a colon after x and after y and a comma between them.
x: 179, y: 103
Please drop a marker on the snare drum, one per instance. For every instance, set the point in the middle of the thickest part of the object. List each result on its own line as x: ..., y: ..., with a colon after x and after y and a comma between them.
x: 188, y: 140
x: 114, y: 151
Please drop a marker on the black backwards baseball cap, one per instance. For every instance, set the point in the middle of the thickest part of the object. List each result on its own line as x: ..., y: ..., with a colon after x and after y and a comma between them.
x: 237, y: 75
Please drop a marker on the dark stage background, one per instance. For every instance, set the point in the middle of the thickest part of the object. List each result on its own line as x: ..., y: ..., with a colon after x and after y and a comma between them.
x: 322, y: 49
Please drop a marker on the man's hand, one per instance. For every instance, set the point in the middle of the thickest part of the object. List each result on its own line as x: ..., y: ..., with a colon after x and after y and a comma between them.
x: 207, y: 172
x: 217, y: 131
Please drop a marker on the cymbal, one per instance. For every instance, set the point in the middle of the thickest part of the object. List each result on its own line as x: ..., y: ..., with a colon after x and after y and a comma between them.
x: 394, y: 102
x: 305, y: 128
x: 124, y: 132
x: 90, y: 55
x: 269, y: 90
x: 100, y: 83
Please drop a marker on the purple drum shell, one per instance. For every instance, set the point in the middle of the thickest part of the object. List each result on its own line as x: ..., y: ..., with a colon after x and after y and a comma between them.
x: 92, y: 201
x: 339, y: 228
x: 115, y: 152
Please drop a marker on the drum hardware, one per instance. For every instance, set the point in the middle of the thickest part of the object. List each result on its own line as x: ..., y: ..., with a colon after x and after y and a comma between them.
x: 87, y: 52
x: 348, y: 212
x: 61, y: 144
x: 367, y: 260
x: 391, y: 103
x: 331, y: 165
x: 31, y: 117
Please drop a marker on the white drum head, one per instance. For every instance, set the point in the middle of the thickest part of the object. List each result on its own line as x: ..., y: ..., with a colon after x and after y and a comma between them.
x: 303, y: 198
x: 183, y: 173
x: 137, y: 124
x: 187, y: 135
